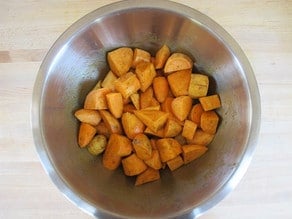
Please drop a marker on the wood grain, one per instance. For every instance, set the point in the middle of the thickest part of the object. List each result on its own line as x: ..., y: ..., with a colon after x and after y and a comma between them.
x: 262, y: 28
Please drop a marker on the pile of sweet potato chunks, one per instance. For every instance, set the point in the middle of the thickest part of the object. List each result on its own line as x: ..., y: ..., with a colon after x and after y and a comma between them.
x: 148, y: 113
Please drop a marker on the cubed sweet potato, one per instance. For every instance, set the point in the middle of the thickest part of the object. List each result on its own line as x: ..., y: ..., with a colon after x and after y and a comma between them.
x: 161, y: 57
x: 154, y: 162
x: 189, y: 129
x: 127, y: 84
x: 119, y: 145
x: 146, y: 98
x: 109, y: 81
x: 201, y: 138
x: 177, y: 62
x: 172, y: 128
x: 158, y: 133
x: 148, y: 175
x: 102, y: 129
x: 135, y: 99
x: 175, y: 163
x: 86, y: 134
x: 140, y: 55
x: 181, y: 106
x: 209, y: 121
x: 133, y: 165
x: 166, y: 107
x: 168, y: 148
x: 153, y: 119
x: 179, y: 82
x: 129, y: 108
x: 91, y: 117
x: 192, y: 152
x: 198, y: 86
x: 95, y: 99
x: 160, y: 88
x: 132, y: 125
x: 142, y: 146
x: 145, y: 72
x: 111, y: 122
x: 115, y: 104
x: 210, y: 102
x: 195, y: 114
x: 120, y: 60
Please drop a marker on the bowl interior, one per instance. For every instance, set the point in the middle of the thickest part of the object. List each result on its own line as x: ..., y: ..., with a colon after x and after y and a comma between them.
x: 72, y: 68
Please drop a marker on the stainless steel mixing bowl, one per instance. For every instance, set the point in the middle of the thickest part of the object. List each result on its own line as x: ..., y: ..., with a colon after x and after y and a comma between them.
x: 77, y: 60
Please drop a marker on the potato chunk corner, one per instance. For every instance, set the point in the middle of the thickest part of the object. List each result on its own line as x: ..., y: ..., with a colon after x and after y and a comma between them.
x: 210, y: 102
x: 140, y: 55
x: 142, y: 146
x: 177, y: 62
x: 168, y: 148
x: 154, y: 119
x: 148, y: 175
x: 161, y: 56
x: 95, y: 99
x: 198, y: 86
x: 120, y: 60
x: 86, y: 134
x: 127, y: 84
x: 145, y: 72
x: 179, y: 82
x: 181, y: 106
x: 133, y: 165
x: 192, y: 152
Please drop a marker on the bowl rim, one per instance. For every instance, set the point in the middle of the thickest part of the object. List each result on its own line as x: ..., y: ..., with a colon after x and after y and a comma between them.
x: 177, y: 8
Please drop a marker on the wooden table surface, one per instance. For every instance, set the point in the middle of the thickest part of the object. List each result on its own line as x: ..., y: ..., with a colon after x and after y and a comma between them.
x: 263, y: 29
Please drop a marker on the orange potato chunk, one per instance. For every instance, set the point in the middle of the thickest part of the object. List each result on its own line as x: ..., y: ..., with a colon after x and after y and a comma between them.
x: 177, y: 62
x: 210, y: 102
x: 111, y: 122
x: 115, y: 104
x: 135, y: 98
x: 102, y: 129
x: 133, y: 165
x: 120, y: 60
x: 192, y: 152
x: 127, y: 84
x: 198, y: 86
x: 140, y: 55
x: 181, y: 106
x: 195, y: 114
x: 153, y: 119
x: 209, y: 121
x: 160, y: 88
x: 154, y: 162
x: 172, y: 128
x: 132, y: 125
x: 145, y: 72
x: 201, y: 138
x: 189, y: 129
x: 118, y: 146
x: 161, y: 56
x: 168, y: 148
x: 179, y: 82
x: 86, y: 134
x: 91, y: 117
x: 109, y: 81
x: 142, y: 146
x: 175, y: 163
x: 129, y: 108
x: 146, y: 98
x: 148, y: 175
x: 95, y: 99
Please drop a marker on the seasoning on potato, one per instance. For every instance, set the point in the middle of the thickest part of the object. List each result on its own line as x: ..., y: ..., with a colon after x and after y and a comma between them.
x: 150, y: 112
